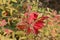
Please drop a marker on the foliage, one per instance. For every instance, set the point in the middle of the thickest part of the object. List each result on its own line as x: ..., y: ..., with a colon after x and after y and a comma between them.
x: 25, y: 20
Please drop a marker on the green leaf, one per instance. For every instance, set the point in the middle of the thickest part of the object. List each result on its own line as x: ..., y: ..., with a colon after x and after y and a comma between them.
x: 23, y: 37
x: 4, y: 1
x: 20, y: 33
x: 14, y: 0
x: 0, y: 1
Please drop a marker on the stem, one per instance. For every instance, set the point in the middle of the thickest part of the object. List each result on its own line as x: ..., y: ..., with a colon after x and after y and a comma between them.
x: 2, y: 28
x: 35, y: 37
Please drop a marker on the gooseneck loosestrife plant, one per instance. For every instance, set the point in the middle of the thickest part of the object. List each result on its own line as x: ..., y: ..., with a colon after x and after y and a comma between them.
x: 28, y: 20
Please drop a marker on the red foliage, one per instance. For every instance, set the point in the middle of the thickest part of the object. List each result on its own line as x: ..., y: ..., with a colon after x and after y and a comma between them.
x: 8, y: 31
x: 31, y: 17
x: 29, y: 30
x: 43, y: 18
x: 3, y: 23
x: 21, y: 27
x: 39, y: 24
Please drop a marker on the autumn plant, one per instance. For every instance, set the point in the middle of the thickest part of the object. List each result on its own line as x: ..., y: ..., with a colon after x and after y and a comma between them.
x: 28, y: 20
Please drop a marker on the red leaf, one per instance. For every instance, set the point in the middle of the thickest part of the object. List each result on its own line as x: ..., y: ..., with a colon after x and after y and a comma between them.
x: 21, y: 27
